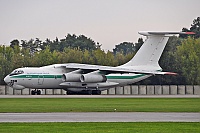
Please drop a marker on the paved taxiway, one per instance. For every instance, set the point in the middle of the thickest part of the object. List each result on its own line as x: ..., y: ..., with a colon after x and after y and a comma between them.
x: 100, y: 117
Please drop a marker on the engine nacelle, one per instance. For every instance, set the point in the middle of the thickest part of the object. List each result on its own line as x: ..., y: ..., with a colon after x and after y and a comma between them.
x: 71, y: 77
x: 93, y: 78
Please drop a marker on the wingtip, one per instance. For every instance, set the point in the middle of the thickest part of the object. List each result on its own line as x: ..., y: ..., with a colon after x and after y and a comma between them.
x: 190, y: 33
x: 171, y: 73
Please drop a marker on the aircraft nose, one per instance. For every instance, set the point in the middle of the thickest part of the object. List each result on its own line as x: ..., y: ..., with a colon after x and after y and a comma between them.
x: 7, y: 79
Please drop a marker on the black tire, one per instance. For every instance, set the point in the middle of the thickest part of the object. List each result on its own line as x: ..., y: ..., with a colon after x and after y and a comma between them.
x: 33, y: 92
x: 69, y: 93
x: 38, y: 92
x: 89, y: 92
x: 96, y: 92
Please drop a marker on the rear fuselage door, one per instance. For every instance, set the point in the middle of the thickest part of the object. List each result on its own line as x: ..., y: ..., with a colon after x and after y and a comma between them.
x: 40, y: 79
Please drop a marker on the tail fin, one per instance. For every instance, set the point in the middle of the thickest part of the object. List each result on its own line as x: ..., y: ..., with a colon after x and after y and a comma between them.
x: 150, y: 52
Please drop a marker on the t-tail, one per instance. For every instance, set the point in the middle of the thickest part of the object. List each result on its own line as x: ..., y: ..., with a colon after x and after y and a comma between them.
x: 150, y: 52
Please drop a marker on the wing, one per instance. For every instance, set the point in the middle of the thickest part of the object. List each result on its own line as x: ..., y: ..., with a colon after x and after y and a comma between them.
x: 108, y: 69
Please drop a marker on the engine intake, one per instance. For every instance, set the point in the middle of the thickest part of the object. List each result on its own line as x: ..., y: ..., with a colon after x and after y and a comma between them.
x: 71, y: 77
x: 93, y: 78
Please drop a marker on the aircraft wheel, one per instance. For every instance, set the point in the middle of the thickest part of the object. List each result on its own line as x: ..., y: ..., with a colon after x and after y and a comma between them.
x: 38, y: 92
x: 33, y: 92
x: 69, y: 93
x: 89, y: 92
x: 96, y: 92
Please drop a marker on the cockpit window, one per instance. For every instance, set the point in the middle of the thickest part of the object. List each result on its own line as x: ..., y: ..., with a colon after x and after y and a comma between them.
x: 16, y: 72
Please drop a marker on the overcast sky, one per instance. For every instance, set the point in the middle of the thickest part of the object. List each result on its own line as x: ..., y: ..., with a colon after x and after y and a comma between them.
x: 108, y: 22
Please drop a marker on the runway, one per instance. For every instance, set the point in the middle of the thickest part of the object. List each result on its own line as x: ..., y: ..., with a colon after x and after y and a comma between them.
x: 100, y: 117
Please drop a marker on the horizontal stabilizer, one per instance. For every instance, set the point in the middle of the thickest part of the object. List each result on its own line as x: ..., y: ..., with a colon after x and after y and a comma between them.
x: 148, y: 33
x: 165, y: 73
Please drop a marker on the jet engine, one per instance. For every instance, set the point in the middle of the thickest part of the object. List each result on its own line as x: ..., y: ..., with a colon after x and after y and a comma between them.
x: 92, y: 78
x: 71, y: 77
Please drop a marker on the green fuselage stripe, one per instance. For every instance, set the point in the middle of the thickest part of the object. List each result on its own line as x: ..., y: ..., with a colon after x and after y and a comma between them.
x: 37, y: 76
x: 125, y: 77
x: 60, y: 76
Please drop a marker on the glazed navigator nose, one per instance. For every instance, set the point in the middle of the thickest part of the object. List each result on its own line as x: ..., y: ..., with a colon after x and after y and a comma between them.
x: 7, y: 79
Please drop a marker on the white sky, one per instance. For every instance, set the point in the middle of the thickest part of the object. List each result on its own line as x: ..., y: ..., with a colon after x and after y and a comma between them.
x: 108, y: 22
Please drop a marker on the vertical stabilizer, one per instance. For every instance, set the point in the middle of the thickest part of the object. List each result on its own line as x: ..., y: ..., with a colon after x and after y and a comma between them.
x: 151, y: 51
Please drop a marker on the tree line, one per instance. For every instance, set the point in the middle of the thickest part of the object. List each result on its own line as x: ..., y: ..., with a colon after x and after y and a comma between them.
x: 181, y: 55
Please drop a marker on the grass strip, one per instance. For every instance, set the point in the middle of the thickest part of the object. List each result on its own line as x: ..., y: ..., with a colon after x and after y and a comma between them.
x: 34, y: 105
x: 102, y: 127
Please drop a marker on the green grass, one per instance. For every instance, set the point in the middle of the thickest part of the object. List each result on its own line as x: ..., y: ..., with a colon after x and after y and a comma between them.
x: 104, y: 127
x: 99, y: 104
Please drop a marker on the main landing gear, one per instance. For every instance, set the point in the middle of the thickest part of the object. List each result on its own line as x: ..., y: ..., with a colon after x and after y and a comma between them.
x: 85, y: 92
x: 35, y: 92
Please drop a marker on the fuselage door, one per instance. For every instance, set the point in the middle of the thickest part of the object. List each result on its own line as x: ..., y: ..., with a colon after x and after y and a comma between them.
x: 40, y: 79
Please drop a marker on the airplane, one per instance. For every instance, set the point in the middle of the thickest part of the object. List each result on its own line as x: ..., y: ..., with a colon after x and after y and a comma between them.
x: 92, y: 79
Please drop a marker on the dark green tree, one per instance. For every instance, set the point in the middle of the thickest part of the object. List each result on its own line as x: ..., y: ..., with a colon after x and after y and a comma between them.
x: 195, y: 27
x: 32, y: 45
x: 83, y: 43
x: 14, y: 43
x: 46, y: 43
x: 71, y: 41
x: 6, y: 61
x: 138, y: 44
x: 124, y: 48
x: 188, y: 56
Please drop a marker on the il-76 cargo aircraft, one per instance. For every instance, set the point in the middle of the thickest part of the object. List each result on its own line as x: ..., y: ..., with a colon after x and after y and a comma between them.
x: 92, y: 79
